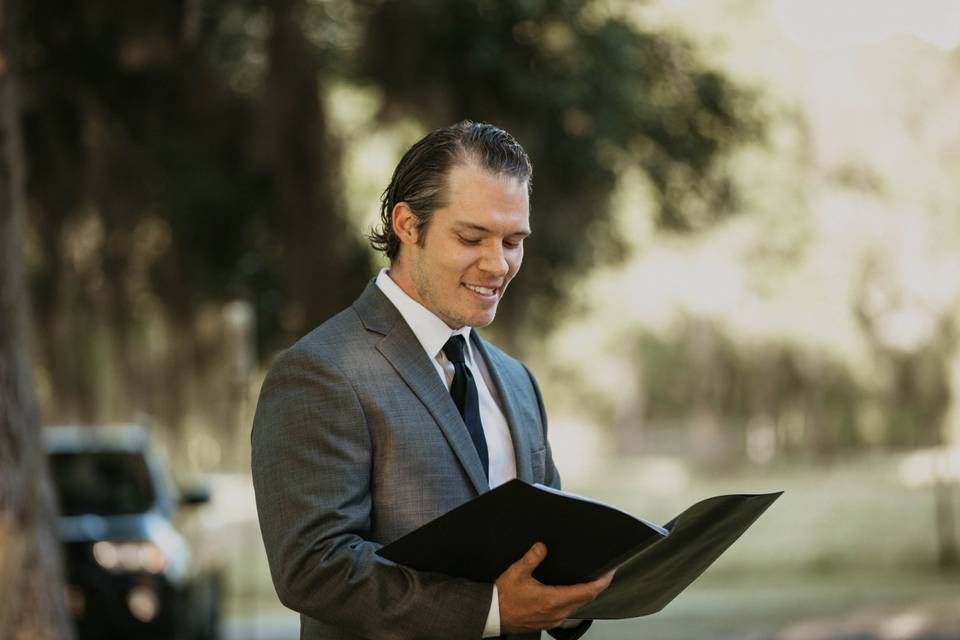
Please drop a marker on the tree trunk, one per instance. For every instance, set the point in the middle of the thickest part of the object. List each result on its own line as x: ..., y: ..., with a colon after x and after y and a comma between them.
x: 948, y: 556
x: 31, y: 584
x: 326, y: 265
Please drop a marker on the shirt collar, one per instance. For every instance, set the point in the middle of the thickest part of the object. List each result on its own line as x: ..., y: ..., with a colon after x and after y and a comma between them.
x: 431, y: 331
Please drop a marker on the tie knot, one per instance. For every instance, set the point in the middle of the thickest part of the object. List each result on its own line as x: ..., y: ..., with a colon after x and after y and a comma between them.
x: 454, y: 349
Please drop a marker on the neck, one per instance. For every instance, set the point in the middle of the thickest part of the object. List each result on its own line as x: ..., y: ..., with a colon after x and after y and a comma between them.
x: 401, y: 277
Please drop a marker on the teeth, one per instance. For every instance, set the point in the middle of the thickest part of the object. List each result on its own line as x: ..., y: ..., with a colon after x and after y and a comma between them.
x: 484, y: 291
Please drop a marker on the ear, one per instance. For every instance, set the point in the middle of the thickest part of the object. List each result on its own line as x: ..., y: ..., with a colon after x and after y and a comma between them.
x: 404, y: 223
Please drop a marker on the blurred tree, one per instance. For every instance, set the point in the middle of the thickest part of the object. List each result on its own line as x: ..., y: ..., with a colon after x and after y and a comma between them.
x: 325, y: 264
x: 32, y: 602
x: 720, y: 399
x: 909, y: 340
x: 587, y: 94
x: 178, y: 156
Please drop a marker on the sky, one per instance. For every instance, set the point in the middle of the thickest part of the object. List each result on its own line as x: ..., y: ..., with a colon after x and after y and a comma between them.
x: 817, y: 24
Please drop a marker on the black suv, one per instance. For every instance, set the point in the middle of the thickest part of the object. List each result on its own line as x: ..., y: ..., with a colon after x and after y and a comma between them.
x: 133, y: 561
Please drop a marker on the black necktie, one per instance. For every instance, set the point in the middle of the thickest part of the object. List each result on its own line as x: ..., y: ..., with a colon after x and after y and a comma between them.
x: 464, y: 392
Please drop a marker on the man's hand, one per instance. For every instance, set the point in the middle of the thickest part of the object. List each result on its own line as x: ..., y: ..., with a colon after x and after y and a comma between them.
x: 526, y: 604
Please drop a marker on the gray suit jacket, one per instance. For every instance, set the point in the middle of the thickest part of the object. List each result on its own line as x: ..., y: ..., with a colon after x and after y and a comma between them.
x: 356, y: 441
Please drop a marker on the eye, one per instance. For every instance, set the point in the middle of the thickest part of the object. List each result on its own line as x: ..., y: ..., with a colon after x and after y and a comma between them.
x: 469, y: 241
x: 513, y: 244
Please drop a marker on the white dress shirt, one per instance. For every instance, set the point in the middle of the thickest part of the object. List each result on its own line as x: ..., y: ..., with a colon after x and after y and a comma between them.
x: 433, y: 333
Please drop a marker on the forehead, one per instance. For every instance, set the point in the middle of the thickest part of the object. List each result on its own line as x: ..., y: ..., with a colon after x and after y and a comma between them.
x: 478, y: 196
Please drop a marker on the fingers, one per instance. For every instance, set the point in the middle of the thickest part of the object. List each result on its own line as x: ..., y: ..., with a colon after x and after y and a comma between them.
x: 580, y: 594
x: 605, y: 580
x: 527, y: 605
x: 575, y: 594
x: 532, y: 558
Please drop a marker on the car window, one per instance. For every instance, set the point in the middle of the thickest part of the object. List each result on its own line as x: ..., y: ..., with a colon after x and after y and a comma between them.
x: 104, y: 483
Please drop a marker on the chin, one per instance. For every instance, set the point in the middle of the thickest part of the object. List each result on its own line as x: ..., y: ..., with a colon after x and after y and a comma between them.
x: 482, y: 319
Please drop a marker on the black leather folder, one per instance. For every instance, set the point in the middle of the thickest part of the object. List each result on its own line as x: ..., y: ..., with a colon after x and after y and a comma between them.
x: 584, y: 539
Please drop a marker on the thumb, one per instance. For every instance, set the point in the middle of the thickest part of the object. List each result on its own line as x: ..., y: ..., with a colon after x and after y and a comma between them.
x: 532, y: 558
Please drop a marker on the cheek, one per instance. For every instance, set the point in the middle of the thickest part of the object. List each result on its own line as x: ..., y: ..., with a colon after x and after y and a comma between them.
x: 514, y: 261
x: 462, y: 259
x: 450, y: 258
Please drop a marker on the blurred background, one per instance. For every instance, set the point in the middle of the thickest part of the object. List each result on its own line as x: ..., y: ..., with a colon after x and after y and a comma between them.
x: 744, y: 274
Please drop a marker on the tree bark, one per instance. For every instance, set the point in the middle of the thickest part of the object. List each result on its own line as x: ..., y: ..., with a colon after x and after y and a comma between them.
x: 32, y: 601
x: 326, y: 265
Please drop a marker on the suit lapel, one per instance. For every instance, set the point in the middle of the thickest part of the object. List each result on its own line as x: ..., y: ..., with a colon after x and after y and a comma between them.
x: 403, y: 351
x: 514, y: 404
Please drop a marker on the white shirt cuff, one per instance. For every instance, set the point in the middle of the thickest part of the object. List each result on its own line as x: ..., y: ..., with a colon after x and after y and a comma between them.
x: 492, y: 628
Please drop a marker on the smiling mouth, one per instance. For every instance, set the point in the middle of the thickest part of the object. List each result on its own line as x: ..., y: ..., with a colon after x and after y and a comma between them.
x: 483, y: 291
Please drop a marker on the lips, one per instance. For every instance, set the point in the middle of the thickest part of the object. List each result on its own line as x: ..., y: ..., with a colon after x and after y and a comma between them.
x: 481, y: 290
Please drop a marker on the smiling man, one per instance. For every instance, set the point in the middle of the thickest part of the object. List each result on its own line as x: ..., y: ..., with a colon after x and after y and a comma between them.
x: 395, y: 411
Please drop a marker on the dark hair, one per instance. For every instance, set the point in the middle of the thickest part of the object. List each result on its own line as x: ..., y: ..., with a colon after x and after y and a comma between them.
x: 420, y: 177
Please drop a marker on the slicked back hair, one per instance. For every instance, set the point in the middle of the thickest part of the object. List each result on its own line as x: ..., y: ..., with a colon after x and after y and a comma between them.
x: 421, y: 177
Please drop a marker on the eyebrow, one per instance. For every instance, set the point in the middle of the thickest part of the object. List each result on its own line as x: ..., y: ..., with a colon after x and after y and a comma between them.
x: 479, y: 227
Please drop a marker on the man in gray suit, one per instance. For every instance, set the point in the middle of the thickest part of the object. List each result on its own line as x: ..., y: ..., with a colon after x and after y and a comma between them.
x: 394, y: 412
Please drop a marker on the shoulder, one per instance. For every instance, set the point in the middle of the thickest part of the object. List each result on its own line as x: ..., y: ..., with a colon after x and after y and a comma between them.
x: 331, y: 346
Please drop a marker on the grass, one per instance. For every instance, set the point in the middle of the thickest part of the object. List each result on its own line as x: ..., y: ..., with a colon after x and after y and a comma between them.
x: 758, y: 607
x: 851, y: 514
x: 847, y: 535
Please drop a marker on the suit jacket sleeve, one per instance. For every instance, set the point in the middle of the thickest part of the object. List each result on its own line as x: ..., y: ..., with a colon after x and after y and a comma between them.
x: 311, y: 470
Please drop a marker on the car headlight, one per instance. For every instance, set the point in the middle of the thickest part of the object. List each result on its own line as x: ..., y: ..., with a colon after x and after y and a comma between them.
x: 130, y: 556
x: 143, y: 603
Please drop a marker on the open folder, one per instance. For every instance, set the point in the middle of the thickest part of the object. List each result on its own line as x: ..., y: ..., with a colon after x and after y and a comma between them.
x: 585, y: 539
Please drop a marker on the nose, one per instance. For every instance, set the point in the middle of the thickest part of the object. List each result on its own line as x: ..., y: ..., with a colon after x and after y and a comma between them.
x: 494, y: 261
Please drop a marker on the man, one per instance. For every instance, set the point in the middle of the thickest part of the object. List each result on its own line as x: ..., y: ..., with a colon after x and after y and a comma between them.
x: 394, y: 412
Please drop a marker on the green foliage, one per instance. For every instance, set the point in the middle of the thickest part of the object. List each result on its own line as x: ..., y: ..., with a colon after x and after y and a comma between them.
x: 152, y: 118
x: 698, y: 367
x: 156, y: 113
x: 180, y: 156
x: 114, y: 99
